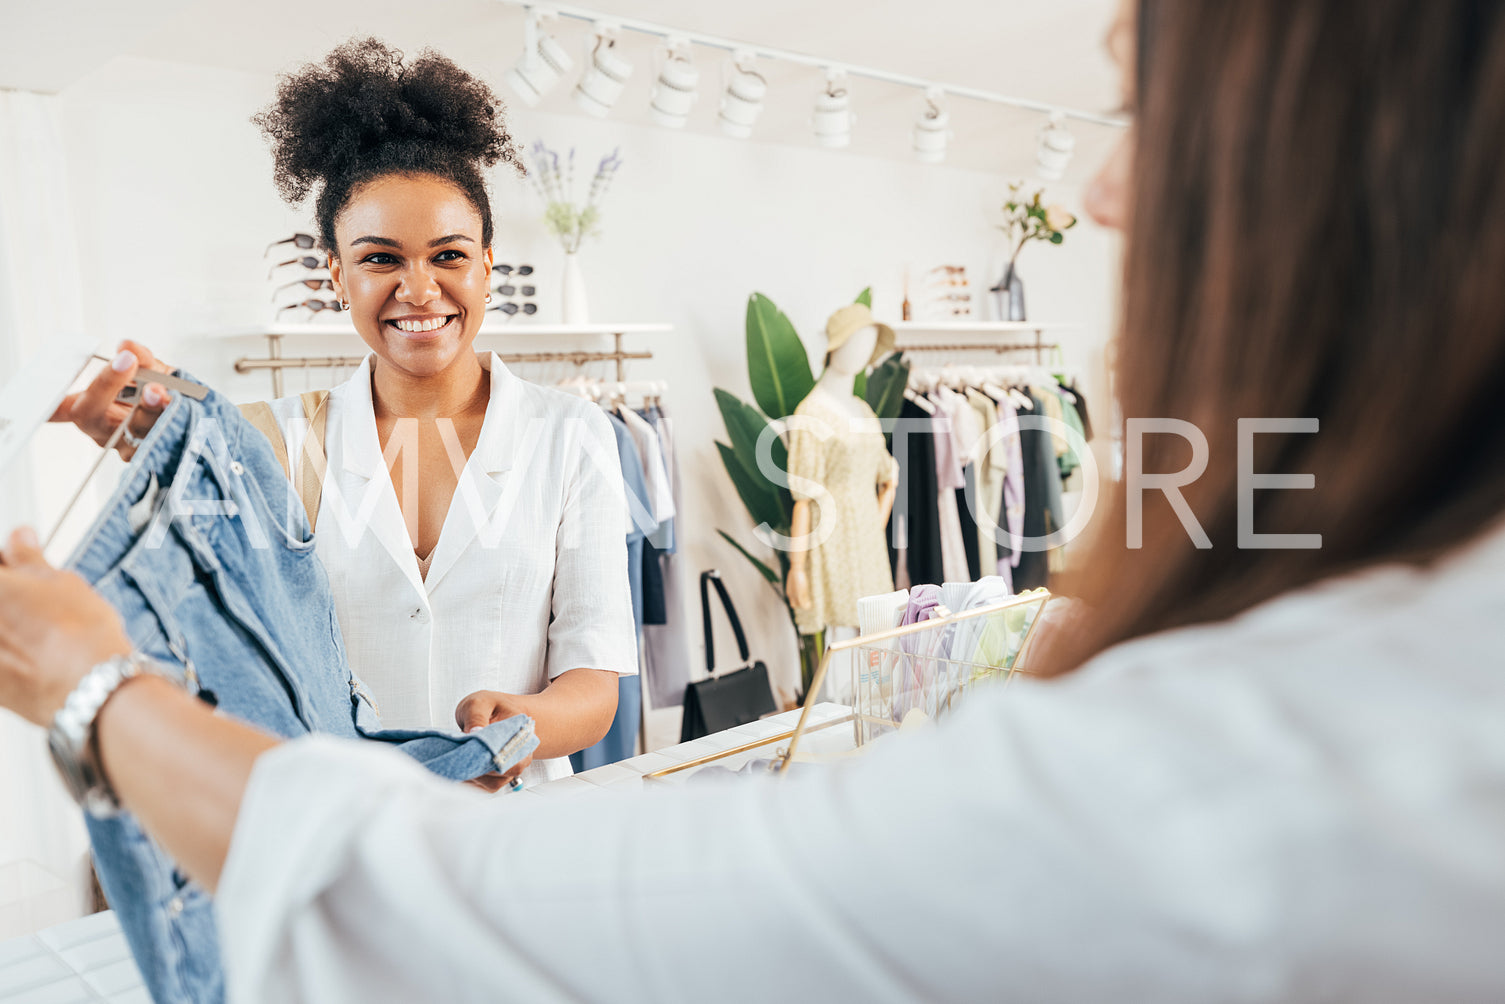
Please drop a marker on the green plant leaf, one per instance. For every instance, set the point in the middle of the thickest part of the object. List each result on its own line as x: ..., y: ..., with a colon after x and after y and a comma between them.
x: 777, y: 366
x: 885, y: 388
x: 744, y: 425
x: 859, y: 386
x: 767, y: 573
x: 1057, y: 238
x: 763, y: 502
x: 865, y: 298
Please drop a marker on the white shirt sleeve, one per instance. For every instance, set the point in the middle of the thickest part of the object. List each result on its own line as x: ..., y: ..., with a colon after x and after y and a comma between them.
x: 1160, y: 834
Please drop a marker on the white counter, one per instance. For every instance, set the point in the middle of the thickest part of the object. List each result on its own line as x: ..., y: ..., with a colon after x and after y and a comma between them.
x: 86, y: 960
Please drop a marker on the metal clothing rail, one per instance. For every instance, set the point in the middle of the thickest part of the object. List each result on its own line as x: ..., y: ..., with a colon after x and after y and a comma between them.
x: 276, y: 363
x: 1038, y: 347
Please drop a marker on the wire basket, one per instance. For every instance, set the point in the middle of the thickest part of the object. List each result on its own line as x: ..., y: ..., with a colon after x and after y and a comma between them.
x: 927, y: 670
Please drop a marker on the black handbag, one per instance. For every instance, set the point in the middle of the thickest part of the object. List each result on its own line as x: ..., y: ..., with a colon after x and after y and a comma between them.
x: 724, y: 701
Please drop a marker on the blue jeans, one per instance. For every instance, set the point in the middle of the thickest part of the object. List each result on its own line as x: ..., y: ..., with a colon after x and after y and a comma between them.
x: 205, y: 552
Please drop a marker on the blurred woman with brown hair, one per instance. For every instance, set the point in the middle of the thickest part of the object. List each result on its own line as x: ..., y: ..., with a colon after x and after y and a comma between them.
x: 1275, y: 774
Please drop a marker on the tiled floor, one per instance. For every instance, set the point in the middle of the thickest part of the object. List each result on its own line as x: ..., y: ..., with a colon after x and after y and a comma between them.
x: 82, y: 960
x: 86, y: 960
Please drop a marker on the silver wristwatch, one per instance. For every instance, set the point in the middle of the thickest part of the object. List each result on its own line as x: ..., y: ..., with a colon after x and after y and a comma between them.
x: 71, y: 738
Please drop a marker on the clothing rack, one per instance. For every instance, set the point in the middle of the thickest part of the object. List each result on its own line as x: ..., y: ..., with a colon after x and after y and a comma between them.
x: 277, y: 364
x: 1038, y: 347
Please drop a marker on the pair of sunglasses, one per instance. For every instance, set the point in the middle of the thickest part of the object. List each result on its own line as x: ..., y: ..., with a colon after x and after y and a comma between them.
x: 507, y: 289
x: 307, y: 261
x: 304, y: 241
x: 511, y: 308
x: 313, y: 305
x: 507, y: 269
x: 314, y: 284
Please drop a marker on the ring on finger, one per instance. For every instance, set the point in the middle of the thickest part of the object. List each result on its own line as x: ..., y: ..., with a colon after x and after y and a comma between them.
x: 129, y: 438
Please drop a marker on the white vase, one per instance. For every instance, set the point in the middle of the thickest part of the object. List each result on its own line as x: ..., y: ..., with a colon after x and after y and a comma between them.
x: 575, y: 309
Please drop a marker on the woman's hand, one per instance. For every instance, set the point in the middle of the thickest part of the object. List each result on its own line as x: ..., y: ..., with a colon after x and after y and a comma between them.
x: 53, y: 630
x: 478, y: 711
x: 95, y: 410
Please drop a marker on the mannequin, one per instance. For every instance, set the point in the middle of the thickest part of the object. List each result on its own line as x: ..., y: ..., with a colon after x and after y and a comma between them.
x: 826, y: 579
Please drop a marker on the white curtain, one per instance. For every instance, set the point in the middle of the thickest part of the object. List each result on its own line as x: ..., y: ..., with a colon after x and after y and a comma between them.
x: 43, y: 865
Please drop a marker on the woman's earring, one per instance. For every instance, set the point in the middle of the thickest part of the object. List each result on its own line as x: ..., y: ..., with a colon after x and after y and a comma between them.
x: 488, y: 297
x: 344, y: 304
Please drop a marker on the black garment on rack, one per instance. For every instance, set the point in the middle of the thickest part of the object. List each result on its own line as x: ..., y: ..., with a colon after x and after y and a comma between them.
x: 969, y: 525
x: 1081, y: 410
x: 916, y: 498
x: 1042, y: 499
x: 655, y: 611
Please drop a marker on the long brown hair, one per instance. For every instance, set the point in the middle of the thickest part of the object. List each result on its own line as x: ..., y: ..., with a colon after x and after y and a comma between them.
x: 1317, y: 230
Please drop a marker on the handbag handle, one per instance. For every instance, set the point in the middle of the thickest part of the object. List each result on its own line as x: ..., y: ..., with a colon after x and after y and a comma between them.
x: 707, y: 579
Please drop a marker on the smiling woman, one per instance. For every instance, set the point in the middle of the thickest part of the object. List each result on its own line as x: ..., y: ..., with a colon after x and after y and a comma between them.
x: 475, y: 578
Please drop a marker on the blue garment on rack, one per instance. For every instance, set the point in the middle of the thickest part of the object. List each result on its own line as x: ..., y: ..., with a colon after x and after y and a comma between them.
x: 621, y: 740
x: 205, y: 552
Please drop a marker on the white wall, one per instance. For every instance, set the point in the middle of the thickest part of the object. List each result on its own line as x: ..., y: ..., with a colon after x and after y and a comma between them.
x: 175, y: 203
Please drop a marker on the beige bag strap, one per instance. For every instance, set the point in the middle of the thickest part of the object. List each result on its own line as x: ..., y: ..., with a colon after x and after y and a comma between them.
x: 314, y: 460
x: 260, y: 414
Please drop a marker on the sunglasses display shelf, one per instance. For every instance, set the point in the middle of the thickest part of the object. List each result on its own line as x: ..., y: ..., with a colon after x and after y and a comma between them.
x: 278, y: 361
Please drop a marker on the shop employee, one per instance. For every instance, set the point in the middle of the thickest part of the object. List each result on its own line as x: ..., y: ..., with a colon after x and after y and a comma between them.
x: 472, y: 524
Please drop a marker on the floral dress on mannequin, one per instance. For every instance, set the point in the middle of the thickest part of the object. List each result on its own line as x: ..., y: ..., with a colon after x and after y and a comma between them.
x: 851, y: 465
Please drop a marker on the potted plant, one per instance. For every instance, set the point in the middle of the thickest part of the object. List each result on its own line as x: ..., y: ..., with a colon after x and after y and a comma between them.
x: 568, y: 219
x: 778, y: 369
x: 1025, y: 220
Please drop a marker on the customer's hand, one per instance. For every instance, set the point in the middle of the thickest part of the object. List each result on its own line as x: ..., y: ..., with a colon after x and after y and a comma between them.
x: 53, y: 630
x: 95, y: 410
x: 478, y: 711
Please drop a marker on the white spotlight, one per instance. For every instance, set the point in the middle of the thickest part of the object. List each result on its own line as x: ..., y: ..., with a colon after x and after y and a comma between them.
x: 675, y: 92
x: 1056, y: 145
x: 605, y: 74
x: 832, y: 120
x: 541, y: 65
x: 932, y: 129
x: 743, y: 101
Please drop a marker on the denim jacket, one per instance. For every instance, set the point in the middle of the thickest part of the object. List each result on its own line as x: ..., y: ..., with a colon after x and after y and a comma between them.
x: 205, y: 552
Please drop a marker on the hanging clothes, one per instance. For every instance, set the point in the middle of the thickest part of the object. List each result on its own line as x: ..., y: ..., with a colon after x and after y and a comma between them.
x: 914, y: 528
x: 949, y: 478
x: 1012, y: 516
x: 666, y: 645
x: 991, y: 471
x: 655, y: 476
x: 1042, y: 498
x: 967, y: 432
x: 621, y: 740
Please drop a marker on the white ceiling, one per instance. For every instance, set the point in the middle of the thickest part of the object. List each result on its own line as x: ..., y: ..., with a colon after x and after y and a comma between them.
x: 1045, y: 50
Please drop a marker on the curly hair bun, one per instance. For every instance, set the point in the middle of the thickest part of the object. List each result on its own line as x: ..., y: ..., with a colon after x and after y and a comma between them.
x: 363, y: 112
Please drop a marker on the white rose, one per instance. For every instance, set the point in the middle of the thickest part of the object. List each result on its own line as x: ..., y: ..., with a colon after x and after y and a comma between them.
x: 1057, y: 218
